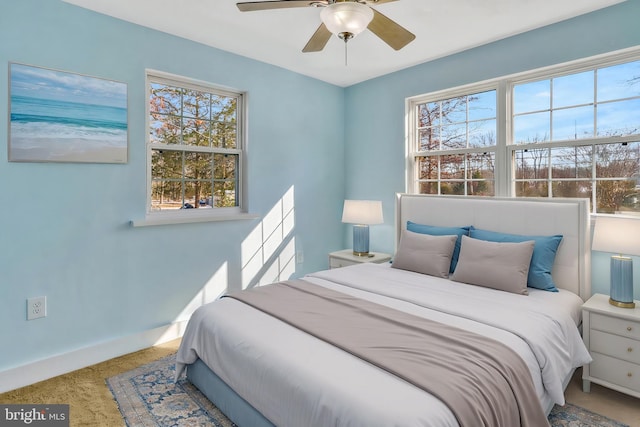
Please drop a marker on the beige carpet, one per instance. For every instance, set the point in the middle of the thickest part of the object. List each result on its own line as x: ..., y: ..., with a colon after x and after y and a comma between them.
x: 91, y: 402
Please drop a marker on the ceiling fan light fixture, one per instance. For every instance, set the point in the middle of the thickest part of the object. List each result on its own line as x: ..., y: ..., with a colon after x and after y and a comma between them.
x: 346, y: 19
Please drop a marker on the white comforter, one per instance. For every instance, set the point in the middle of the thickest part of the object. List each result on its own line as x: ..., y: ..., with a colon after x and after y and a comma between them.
x: 296, y: 380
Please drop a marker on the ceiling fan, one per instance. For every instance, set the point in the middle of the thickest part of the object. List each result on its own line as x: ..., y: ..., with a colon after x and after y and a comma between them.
x: 344, y: 18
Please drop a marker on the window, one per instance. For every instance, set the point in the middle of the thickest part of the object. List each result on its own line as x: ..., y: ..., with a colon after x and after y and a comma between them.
x: 571, y: 131
x: 195, y: 144
x: 456, y: 143
x: 589, y: 124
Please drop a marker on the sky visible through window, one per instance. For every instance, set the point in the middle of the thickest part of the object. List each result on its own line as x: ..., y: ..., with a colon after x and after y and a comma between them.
x: 572, y: 135
x: 596, y: 103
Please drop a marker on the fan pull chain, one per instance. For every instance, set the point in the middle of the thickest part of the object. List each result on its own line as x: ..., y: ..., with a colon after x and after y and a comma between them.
x: 345, y: 53
x: 345, y: 36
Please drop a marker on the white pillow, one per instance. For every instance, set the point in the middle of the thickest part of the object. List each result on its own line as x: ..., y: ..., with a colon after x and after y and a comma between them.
x: 497, y: 265
x: 424, y: 253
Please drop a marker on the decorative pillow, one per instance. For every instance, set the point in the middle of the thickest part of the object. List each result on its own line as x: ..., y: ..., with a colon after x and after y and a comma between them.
x: 442, y: 231
x: 424, y: 253
x: 502, y: 266
x: 544, y: 255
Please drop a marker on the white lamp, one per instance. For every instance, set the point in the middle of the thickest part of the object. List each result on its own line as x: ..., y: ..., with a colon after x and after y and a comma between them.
x: 620, y: 235
x: 346, y: 19
x: 362, y: 213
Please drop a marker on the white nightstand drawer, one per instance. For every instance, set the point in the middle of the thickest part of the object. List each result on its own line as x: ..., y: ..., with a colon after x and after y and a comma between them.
x: 623, y: 327
x: 612, y: 335
x: 338, y: 263
x: 616, y: 371
x: 616, y: 346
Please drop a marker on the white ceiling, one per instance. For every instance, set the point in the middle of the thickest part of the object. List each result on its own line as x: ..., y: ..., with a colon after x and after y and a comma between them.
x: 277, y: 37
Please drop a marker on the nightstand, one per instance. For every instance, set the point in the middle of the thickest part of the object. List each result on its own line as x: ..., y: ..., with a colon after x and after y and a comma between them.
x: 612, y: 335
x: 346, y: 257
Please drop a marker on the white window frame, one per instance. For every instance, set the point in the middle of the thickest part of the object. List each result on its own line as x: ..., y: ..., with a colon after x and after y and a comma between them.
x: 197, y: 215
x: 412, y: 126
x: 504, y: 150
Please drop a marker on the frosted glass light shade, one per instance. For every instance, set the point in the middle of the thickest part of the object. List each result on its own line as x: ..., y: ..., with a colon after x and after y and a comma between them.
x: 362, y: 212
x: 346, y: 17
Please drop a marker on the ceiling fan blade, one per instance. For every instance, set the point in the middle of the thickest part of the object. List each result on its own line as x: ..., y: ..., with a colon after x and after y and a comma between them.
x: 318, y: 40
x: 280, y: 4
x: 389, y: 31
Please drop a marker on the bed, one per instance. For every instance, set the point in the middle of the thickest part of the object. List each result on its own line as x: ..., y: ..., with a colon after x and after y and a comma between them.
x: 261, y: 371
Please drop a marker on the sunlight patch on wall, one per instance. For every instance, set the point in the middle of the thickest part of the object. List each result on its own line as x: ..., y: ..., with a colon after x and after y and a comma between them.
x: 268, y: 252
x: 282, y: 267
x: 215, y: 287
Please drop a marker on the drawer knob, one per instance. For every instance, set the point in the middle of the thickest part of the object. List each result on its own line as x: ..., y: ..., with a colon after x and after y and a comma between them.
x: 629, y: 328
x: 630, y: 374
x: 630, y: 349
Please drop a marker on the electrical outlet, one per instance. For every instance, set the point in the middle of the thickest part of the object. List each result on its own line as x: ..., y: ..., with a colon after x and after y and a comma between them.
x: 299, y: 257
x: 36, y: 307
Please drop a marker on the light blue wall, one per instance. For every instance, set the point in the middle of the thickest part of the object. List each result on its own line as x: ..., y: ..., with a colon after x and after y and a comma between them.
x: 375, y: 125
x: 65, y: 231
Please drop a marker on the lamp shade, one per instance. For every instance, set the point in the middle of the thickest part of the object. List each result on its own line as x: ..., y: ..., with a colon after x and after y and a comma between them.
x: 617, y: 234
x: 346, y: 17
x: 366, y: 212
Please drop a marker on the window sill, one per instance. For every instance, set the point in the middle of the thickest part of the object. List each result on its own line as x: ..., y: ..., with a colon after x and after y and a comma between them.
x: 167, y: 219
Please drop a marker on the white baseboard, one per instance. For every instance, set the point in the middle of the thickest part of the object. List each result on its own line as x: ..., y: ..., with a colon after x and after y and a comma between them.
x: 50, y: 367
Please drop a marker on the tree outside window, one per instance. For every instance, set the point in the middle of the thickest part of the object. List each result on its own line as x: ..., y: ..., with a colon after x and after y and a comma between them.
x: 195, y: 146
x: 569, y: 132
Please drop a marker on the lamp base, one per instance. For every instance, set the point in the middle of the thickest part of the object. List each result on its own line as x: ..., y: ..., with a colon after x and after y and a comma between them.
x: 621, y: 294
x: 622, y: 304
x: 363, y: 254
x: 360, y: 240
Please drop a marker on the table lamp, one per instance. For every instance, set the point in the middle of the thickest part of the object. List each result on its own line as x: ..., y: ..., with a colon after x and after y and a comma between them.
x: 620, y: 235
x: 362, y: 213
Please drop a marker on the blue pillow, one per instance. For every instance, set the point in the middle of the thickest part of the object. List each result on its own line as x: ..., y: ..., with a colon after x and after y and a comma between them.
x: 442, y: 231
x: 544, y: 255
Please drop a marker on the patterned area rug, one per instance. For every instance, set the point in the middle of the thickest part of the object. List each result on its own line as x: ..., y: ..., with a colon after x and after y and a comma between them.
x: 148, y: 396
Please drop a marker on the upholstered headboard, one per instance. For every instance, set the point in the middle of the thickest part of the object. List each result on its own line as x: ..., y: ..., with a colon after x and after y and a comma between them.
x: 568, y: 217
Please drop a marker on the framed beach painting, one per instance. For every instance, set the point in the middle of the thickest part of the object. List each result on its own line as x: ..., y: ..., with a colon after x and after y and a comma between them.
x: 58, y: 116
